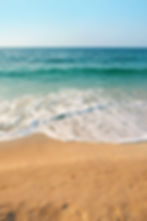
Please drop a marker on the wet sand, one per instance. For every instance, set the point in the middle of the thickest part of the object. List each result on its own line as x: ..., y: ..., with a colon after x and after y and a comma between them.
x: 48, y: 180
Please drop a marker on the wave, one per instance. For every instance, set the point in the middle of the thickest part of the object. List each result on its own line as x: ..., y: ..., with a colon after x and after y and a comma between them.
x: 72, y: 70
x: 91, y: 115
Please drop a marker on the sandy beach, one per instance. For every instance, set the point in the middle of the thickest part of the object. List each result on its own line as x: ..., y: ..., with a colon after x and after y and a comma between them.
x: 48, y: 180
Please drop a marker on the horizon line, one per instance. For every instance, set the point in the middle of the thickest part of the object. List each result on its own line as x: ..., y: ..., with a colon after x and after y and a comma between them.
x: 72, y: 46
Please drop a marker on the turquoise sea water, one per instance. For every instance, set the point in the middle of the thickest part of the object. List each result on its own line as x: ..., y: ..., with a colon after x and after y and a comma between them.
x: 94, y: 94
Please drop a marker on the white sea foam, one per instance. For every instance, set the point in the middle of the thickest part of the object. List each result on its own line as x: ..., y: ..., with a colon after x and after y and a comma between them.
x: 91, y: 115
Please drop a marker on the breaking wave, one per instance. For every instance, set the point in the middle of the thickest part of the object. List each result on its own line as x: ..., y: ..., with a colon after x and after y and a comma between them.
x: 91, y: 115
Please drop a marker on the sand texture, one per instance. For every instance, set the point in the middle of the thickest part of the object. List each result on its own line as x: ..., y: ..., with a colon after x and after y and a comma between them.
x: 47, y: 180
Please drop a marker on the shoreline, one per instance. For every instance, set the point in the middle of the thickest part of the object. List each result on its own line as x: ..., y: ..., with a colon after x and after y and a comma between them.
x: 43, y: 179
x: 40, y: 134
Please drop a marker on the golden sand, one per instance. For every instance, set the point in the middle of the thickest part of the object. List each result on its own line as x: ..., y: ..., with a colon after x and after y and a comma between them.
x: 47, y: 180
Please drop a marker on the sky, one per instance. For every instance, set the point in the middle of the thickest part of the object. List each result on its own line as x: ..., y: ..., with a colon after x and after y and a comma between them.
x: 73, y: 23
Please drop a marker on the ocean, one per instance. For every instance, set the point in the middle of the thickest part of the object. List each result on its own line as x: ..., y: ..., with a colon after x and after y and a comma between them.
x: 74, y: 94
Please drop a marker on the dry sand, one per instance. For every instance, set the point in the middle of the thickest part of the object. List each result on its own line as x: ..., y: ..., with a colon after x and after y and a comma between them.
x: 46, y: 180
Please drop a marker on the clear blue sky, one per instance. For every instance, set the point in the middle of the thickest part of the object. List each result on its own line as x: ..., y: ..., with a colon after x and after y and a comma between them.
x: 73, y: 22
